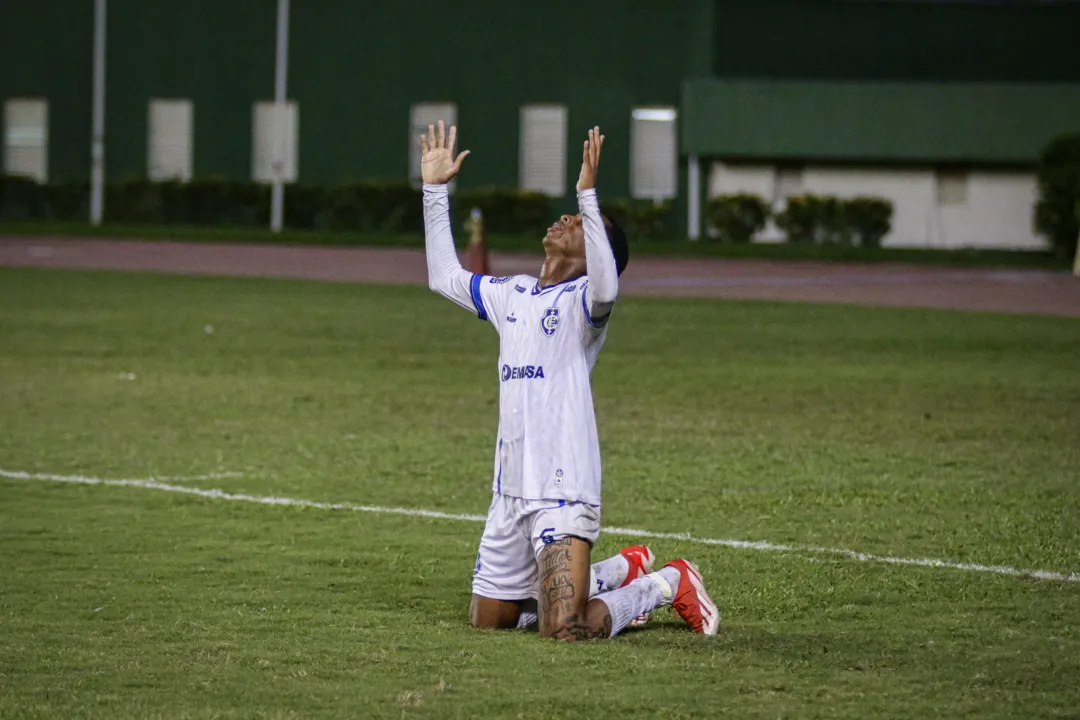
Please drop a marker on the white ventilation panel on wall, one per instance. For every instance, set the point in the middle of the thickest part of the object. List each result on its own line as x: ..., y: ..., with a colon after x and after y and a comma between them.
x: 170, y: 140
x: 274, y: 144
x: 26, y: 138
x: 654, y: 153
x: 542, y: 155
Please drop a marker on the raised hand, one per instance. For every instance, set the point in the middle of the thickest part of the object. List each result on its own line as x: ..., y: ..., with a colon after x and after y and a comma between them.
x: 590, y: 160
x: 437, y: 161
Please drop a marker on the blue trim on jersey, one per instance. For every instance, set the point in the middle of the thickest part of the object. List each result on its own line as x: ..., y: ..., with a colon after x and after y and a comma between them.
x: 588, y: 316
x: 559, y: 296
x: 537, y: 290
x: 562, y: 503
x: 498, y: 480
x: 478, y: 300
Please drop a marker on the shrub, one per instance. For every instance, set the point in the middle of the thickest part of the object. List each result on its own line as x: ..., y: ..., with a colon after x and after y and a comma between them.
x: 737, y: 218
x: 510, y: 212
x: 364, y: 207
x: 833, y: 224
x: 650, y: 220
x: 640, y: 219
x: 305, y: 207
x: 800, y: 220
x: 134, y: 201
x: 225, y: 202
x: 812, y: 219
x: 199, y: 202
x: 21, y: 198
x: 376, y: 207
x: 67, y: 201
x: 870, y: 219
x: 372, y: 207
x: 1058, y: 178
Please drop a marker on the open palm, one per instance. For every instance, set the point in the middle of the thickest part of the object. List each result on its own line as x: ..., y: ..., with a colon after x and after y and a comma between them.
x: 437, y: 161
x: 590, y: 160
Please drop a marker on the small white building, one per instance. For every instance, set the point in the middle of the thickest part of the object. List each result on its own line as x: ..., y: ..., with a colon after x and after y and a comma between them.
x: 956, y: 160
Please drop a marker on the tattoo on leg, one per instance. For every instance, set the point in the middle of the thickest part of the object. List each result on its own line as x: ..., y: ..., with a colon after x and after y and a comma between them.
x: 557, y: 616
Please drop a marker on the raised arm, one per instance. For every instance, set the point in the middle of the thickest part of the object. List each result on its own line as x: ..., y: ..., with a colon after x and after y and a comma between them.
x: 603, y: 287
x: 437, y: 167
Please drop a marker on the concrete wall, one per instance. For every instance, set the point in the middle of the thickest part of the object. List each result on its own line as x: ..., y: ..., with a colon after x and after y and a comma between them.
x: 994, y: 212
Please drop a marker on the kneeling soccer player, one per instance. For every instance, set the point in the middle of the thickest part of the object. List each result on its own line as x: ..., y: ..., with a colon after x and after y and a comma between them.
x: 534, y: 560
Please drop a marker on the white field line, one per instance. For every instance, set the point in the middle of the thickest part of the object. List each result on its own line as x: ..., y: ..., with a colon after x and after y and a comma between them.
x: 192, y: 478
x: 152, y: 484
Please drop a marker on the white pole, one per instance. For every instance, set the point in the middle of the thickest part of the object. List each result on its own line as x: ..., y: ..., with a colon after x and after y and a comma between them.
x: 97, y: 131
x: 693, y: 182
x: 281, y: 70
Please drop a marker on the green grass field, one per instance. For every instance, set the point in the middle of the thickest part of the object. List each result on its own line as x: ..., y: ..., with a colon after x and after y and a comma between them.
x: 915, y: 434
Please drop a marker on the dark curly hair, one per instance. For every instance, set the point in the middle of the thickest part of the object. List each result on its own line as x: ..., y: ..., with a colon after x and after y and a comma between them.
x: 619, y: 247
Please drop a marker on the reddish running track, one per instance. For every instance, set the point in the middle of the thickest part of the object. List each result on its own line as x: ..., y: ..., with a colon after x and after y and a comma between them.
x: 1012, y: 291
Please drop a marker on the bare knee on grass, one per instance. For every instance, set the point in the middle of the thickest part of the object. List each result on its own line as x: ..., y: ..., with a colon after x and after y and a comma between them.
x: 565, y: 610
x: 491, y: 614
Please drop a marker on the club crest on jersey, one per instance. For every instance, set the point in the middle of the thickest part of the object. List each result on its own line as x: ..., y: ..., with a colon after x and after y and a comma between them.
x: 550, y: 323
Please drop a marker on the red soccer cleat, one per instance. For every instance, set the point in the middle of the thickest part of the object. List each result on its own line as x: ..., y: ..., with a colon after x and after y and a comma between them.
x: 691, y: 602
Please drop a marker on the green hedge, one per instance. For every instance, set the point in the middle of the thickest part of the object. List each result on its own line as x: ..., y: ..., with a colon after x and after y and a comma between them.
x: 805, y: 219
x: 509, y: 212
x: 396, y: 208
x: 371, y: 207
x: 386, y: 208
x: 364, y: 207
x: 870, y: 220
x: 1057, y: 212
x: 826, y: 220
x: 737, y: 218
x: 21, y: 198
x: 641, y: 220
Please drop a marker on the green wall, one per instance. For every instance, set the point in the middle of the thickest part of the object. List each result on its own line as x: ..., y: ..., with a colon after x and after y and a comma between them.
x: 356, y: 73
x: 218, y: 53
x: 45, y: 49
x: 355, y: 69
x: 942, y: 40
x: 974, y: 123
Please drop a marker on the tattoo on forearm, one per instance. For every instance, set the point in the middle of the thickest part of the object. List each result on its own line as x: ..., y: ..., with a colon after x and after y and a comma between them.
x: 557, y: 616
x: 556, y: 582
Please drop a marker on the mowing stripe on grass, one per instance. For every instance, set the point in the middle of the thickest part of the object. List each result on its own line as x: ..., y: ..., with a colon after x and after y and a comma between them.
x: 152, y: 484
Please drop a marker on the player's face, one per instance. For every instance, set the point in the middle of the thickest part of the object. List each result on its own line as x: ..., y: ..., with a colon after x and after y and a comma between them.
x: 566, y: 237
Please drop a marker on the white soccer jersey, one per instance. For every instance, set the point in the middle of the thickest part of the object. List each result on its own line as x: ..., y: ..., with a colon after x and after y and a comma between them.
x: 547, y: 446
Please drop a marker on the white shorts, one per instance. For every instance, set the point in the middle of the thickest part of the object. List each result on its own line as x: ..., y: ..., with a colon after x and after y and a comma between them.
x: 515, y: 533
